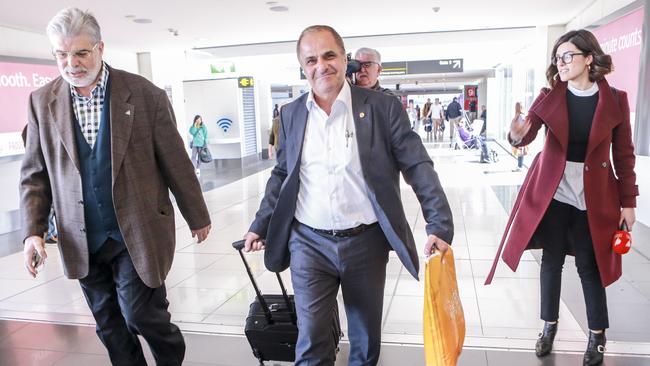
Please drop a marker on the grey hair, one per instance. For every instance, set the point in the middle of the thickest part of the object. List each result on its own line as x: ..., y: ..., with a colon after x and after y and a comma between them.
x: 368, y: 51
x: 72, y: 22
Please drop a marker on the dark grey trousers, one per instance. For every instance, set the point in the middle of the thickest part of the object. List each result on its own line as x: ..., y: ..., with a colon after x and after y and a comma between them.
x: 319, y: 265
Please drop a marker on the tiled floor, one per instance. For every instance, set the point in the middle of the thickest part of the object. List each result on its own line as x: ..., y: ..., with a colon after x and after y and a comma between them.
x: 22, y: 343
x: 209, y: 291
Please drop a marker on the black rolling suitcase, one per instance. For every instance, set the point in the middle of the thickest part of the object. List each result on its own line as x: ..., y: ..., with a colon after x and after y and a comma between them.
x: 271, y: 322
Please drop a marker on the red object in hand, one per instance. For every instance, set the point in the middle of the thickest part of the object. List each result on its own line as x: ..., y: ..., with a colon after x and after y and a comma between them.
x: 622, y: 240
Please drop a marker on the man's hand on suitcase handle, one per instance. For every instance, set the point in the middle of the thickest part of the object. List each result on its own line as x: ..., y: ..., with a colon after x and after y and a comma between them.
x: 253, y: 242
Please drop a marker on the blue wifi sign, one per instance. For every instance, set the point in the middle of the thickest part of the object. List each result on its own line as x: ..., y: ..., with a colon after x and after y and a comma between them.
x: 224, y: 124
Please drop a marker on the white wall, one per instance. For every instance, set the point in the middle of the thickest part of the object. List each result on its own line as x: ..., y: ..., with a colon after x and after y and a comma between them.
x: 596, y: 11
x: 168, y: 68
x: 494, y: 127
x: 642, y: 170
x: 264, y: 102
x: 19, y: 43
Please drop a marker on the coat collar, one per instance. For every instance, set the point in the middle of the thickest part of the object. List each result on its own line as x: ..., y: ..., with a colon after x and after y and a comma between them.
x: 554, y: 112
x: 62, y: 115
x: 608, y: 115
x: 122, y: 114
x: 296, y: 132
x: 362, y: 114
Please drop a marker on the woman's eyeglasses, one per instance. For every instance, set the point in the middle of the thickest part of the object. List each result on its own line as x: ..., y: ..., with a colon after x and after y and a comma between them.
x: 567, y: 57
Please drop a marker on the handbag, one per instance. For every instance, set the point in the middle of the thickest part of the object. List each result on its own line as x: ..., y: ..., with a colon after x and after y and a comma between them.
x: 444, y: 320
x: 204, y: 155
x: 622, y: 240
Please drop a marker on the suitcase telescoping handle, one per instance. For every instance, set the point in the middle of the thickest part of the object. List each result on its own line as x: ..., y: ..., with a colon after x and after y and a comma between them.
x: 239, y: 245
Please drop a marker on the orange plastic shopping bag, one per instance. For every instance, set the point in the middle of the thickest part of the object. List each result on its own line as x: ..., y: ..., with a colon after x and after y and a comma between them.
x: 444, y: 321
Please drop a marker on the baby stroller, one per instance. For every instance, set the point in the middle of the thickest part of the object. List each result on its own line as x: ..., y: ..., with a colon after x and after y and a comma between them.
x: 469, y: 137
x: 465, y: 136
x: 465, y: 140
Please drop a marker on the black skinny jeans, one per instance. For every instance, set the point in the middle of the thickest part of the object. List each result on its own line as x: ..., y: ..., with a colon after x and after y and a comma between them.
x: 565, y: 227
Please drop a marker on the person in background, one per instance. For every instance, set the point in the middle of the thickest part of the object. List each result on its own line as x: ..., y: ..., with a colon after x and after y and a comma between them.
x: 368, y: 76
x: 484, y: 118
x: 410, y: 110
x: 436, y: 115
x: 199, y: 139
x: 274, y: 136
x: 519, y: 152
x: 426, y: 112
x: 454, y: 115
x: 581, y: 187
x: 276, y: 111
x: 104, y: 150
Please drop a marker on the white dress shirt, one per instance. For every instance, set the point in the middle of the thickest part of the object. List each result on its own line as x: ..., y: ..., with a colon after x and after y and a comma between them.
x: 333, y: 193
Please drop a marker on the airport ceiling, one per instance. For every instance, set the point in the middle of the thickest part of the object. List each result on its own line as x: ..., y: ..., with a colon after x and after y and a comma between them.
x: 215, y: 23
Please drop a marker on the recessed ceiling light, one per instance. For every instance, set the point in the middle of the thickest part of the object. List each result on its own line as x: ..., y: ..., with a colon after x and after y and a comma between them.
x: 279, y: 8
x: 142, y: 21
x: 271, y: 3
x: 129, y: 16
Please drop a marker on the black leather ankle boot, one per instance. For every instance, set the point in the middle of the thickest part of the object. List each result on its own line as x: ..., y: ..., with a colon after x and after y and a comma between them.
x: 595, y: 349
x: 544, y: 343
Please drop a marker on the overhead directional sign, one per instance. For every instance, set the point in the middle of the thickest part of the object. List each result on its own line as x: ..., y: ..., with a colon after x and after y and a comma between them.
x: 394, y: 68
x: 245, y: 82
x: 423, y: 67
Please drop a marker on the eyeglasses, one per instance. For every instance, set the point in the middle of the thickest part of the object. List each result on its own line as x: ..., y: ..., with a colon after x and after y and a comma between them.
x: 567, y: 57
x: 367, y: 64
x: 82, y: 54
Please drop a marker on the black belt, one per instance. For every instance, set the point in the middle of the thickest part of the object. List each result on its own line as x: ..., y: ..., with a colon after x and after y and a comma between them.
x: 345, y: 233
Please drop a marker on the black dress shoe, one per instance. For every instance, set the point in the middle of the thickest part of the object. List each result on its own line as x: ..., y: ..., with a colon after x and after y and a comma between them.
x: 595, y: 349
x: 544, y: 343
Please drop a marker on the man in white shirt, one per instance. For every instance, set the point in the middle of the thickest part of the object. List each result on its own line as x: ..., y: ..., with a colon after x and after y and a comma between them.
x: 436, y: 118
x: 332, y: 209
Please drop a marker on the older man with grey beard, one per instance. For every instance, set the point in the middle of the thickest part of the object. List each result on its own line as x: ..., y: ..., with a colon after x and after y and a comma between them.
x: 103, y: 149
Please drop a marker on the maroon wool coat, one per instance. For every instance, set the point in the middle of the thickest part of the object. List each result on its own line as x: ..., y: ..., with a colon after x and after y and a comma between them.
x: 607, y: 187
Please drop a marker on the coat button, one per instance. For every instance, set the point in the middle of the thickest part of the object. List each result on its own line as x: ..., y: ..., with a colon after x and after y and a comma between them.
x: 83, y: 230
x: 586, y: 168
x: 604, y: 164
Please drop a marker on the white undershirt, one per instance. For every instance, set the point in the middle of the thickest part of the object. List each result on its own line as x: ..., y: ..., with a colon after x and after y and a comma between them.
x: 333, y: 192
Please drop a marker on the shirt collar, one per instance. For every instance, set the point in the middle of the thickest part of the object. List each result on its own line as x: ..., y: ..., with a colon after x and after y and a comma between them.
x: 101, y: 84
x: 583, y: 93
x: 344, y: 97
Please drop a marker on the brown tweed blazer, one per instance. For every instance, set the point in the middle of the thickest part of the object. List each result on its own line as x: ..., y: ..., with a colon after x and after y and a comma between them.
x: 148, y: 158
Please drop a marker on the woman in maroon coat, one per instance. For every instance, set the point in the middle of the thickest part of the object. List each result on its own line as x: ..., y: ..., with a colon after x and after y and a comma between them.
x: 574, y: 197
